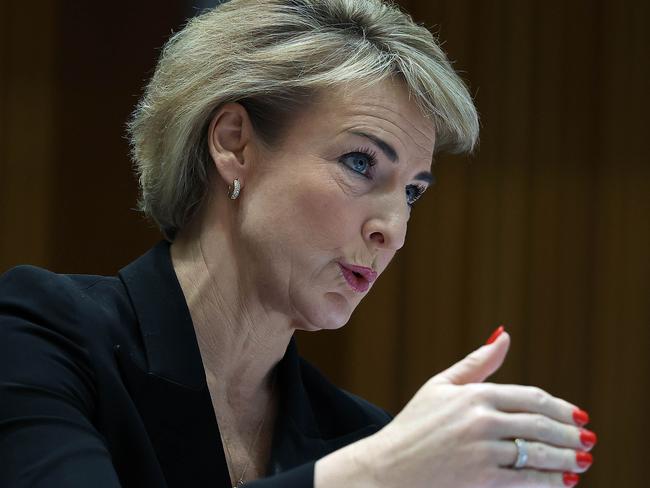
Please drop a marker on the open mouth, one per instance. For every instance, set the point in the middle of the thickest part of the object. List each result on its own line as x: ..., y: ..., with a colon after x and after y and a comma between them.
x: 355, y: 279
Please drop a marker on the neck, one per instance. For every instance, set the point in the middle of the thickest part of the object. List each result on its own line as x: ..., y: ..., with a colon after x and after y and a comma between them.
x: 240, y: 341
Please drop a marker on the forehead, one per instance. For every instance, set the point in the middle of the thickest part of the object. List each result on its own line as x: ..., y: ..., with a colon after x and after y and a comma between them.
x: 385, y: 108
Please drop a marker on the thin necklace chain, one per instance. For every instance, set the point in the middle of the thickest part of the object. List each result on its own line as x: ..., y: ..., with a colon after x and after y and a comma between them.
x: 240, y: 482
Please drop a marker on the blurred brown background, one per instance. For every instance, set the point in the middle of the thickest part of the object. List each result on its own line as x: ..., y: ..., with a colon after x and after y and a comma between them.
x: 546, y: 229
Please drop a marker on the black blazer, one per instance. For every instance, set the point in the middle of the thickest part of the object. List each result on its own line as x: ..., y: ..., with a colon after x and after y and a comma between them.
x: 102, y: 385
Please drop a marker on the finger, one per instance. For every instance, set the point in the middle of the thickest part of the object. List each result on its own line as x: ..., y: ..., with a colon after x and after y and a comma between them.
x: 478, y: 365
x: 539, y: 428
x: 544, y: 457
x: 517, y: 398
x: 531, y: 478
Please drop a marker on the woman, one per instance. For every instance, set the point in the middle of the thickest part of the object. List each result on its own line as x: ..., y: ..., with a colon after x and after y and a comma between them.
x: 280, y: 146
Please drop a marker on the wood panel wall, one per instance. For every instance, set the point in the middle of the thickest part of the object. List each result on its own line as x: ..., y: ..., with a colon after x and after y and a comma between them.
x: 27, y: 132
x: 545, y: 229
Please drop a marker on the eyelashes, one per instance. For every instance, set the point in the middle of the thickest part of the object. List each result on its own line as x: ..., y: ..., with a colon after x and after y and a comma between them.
x: 416, y: 193
x: 361, y: 155
x: 361, y: 162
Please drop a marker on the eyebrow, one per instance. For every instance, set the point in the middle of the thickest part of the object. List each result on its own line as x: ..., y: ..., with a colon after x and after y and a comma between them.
x: 425, y: 176
x: 391, y: 154
x: 386, y: 148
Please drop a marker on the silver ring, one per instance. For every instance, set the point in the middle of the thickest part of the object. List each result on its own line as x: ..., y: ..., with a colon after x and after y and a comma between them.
x: 522, y: 454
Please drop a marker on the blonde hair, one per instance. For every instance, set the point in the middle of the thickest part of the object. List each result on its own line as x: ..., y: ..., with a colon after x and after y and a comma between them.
x: 274, y: 57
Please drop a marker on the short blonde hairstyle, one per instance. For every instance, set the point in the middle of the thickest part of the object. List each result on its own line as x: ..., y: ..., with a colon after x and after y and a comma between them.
x: 274, y: 57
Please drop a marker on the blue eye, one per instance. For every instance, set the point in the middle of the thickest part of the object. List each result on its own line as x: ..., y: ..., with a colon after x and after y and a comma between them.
x: 360, y: 161
x: 413, y: 192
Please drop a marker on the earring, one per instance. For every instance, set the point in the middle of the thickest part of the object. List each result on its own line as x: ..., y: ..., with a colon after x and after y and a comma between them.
x: 233, y: 193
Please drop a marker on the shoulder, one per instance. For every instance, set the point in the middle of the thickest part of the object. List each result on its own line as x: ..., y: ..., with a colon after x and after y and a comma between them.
x: 32, y: 282
x: 77, y: 307
x: 29, y: 292
x: 33, y: 287
x: 338, y: 410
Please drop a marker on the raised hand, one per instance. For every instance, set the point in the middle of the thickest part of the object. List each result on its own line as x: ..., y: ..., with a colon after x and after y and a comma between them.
x: 459, y: 432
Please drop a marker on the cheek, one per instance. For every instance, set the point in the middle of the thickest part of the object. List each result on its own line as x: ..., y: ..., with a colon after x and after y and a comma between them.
x: 312, y: 212
x: 326, y: 215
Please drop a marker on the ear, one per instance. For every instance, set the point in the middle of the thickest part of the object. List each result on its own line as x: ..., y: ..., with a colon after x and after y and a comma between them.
x: 229, y: 141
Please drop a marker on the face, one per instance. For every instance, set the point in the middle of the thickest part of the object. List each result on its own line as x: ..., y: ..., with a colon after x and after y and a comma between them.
x: 336, y: 194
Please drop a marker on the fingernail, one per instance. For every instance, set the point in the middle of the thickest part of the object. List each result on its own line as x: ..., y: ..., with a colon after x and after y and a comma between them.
x: 580, y: 417
x: 570, y: 479
x: 584, y: 459
x: 495, y: 335
x: 588, y: 438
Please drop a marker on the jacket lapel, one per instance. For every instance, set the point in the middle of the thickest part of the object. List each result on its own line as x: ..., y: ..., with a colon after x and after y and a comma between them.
x: 167, y: 382
x: 181, y: 425
x: 299, y: 437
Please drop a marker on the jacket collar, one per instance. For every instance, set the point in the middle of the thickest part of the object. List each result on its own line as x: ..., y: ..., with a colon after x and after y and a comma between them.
x: 171, y: 348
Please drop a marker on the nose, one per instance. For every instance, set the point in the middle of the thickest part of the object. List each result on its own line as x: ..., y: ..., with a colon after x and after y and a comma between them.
x: 387, y: 229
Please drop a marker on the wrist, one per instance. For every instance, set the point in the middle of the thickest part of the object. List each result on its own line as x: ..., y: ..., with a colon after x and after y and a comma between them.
x: 351, y: 466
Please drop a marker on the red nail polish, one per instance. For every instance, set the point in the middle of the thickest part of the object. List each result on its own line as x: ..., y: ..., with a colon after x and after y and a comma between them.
x: 495, y: 335
x: 580, y: 417
x: 588, y: 438
x: 570, y: 479
x: 584, y: 459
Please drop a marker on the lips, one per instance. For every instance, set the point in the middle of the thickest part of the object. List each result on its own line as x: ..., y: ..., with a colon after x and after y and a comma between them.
x: 358, y: 277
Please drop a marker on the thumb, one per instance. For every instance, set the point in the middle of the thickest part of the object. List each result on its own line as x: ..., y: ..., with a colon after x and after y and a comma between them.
x: 478, y: 365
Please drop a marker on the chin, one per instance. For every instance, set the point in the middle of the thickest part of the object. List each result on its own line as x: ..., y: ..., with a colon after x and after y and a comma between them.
x: 332, y: 312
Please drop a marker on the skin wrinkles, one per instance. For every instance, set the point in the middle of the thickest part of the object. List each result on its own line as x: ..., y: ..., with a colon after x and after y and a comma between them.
x: 312, y: 219
x: 391, y: 154
x: 255, y: 269
x: 379, y: 113
x: 423, y: 161
x: 384, y: 128
x: 391, y: 116
x: 387, y: 122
